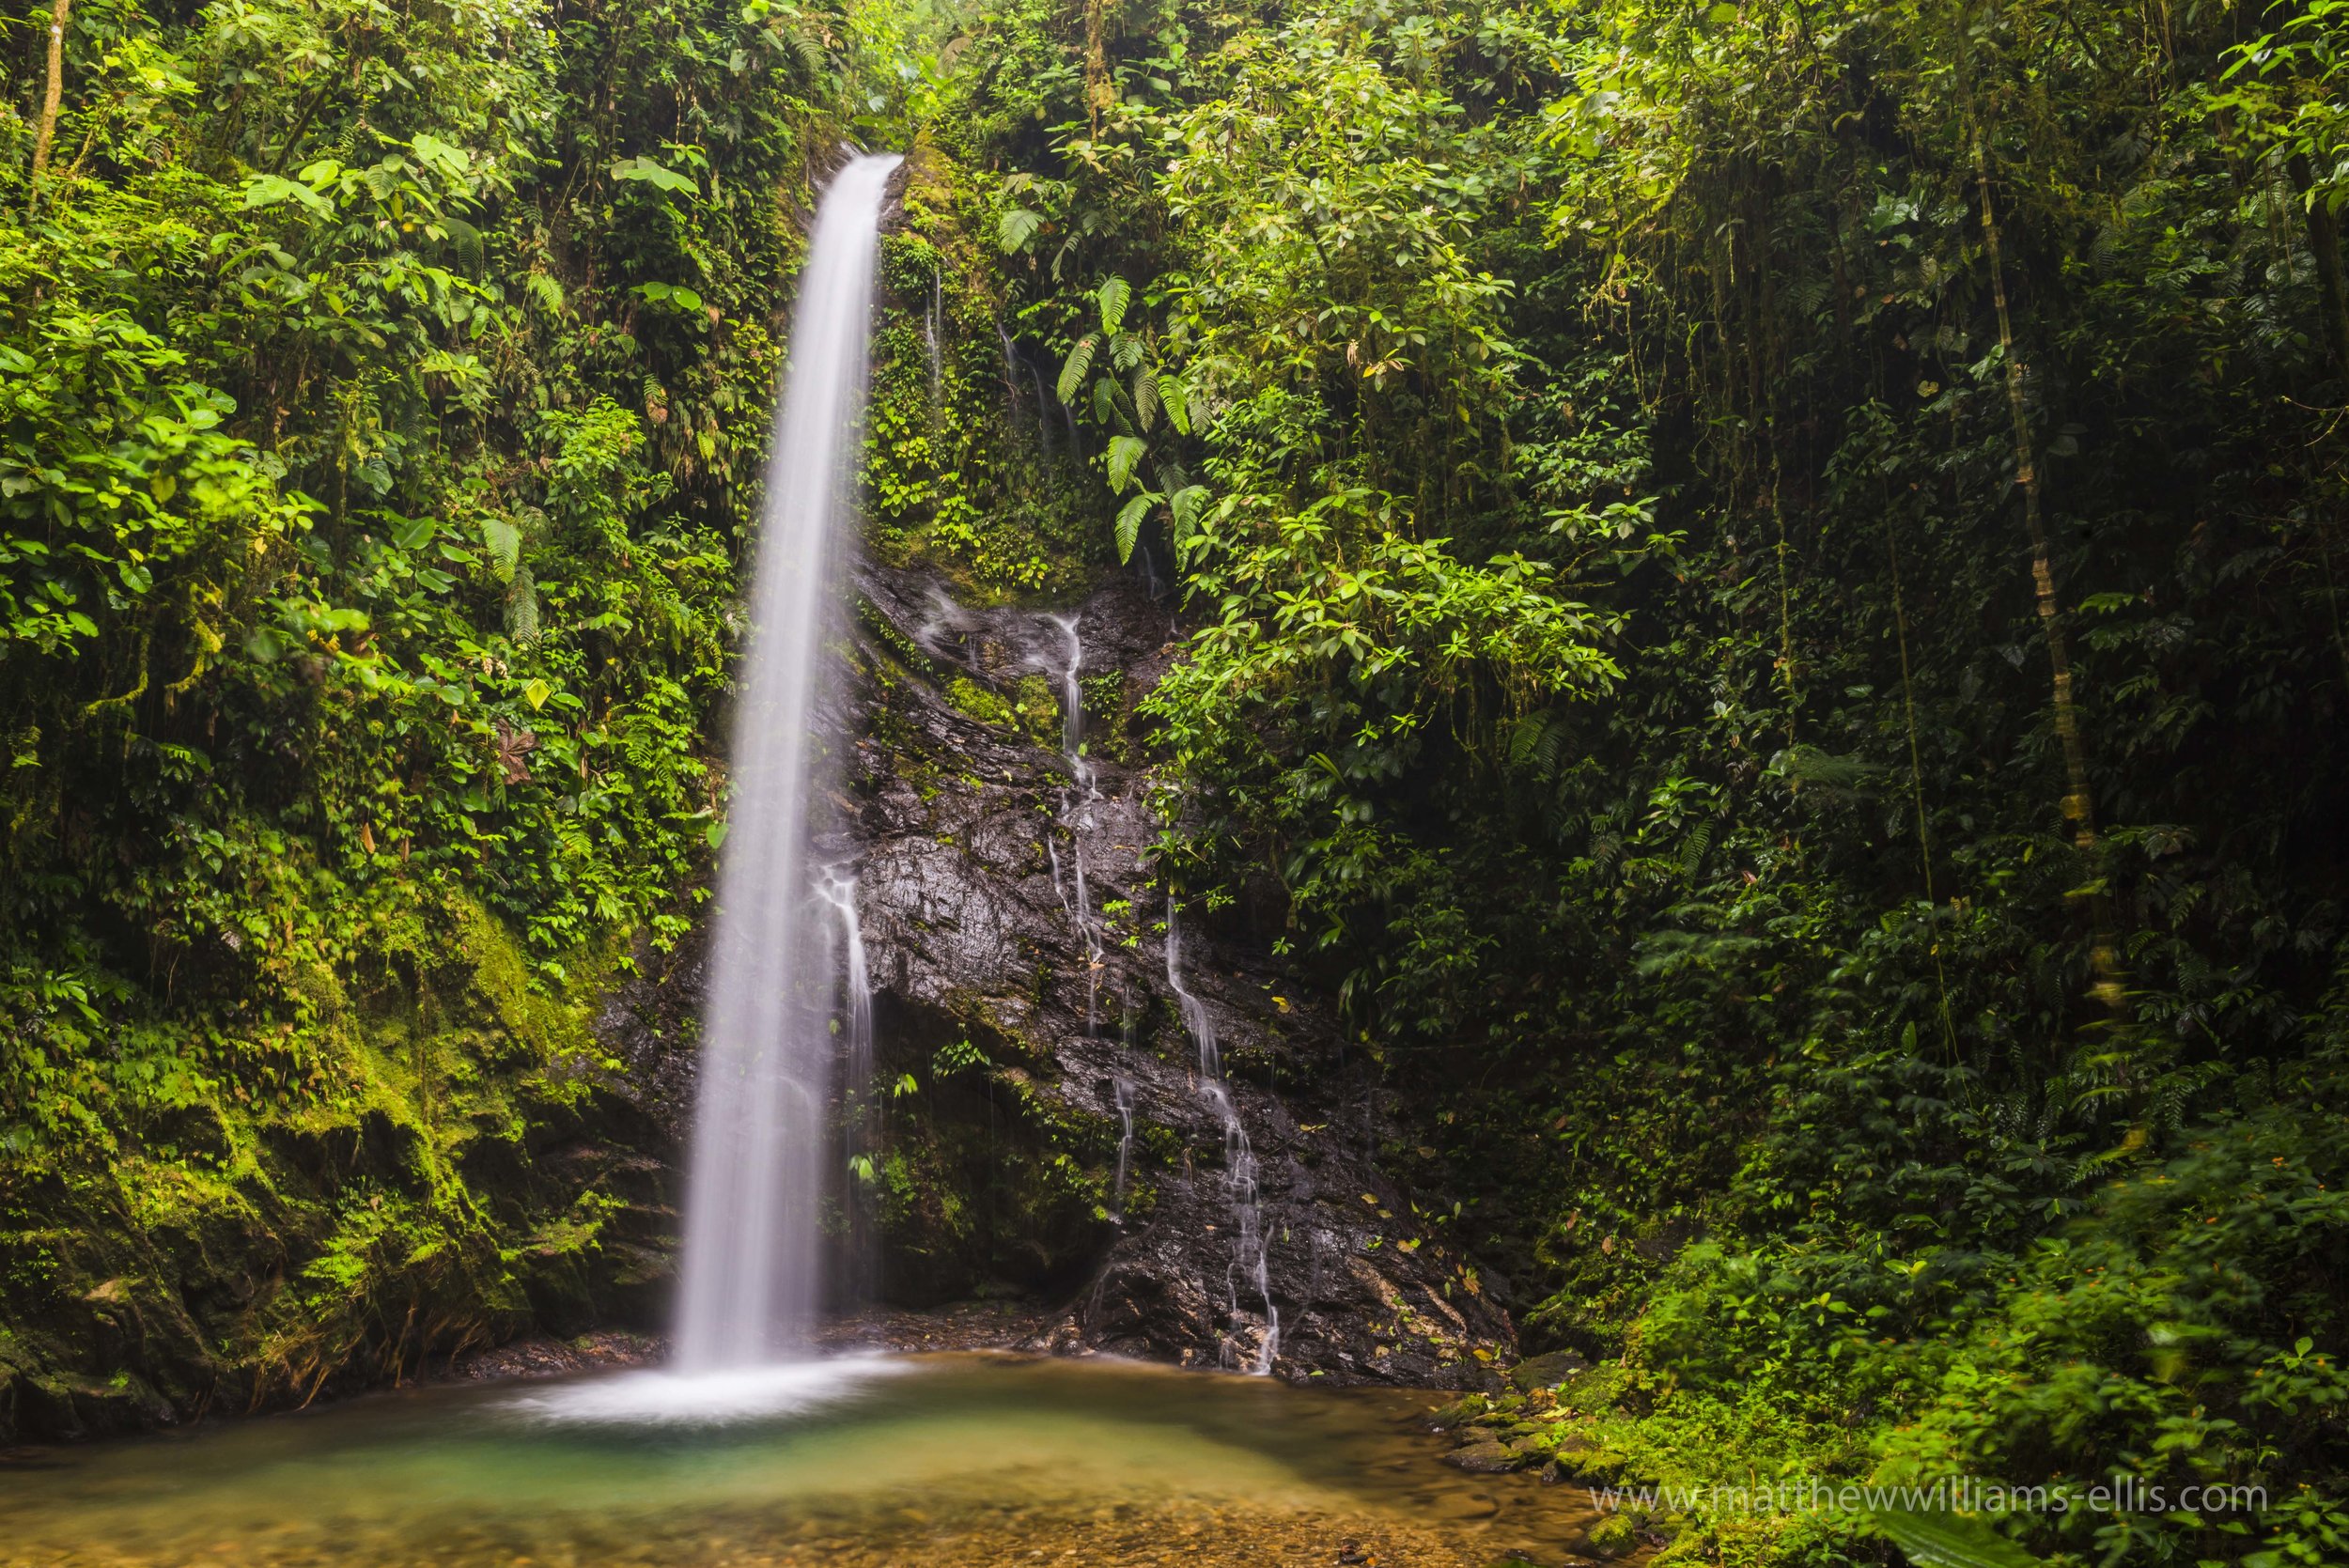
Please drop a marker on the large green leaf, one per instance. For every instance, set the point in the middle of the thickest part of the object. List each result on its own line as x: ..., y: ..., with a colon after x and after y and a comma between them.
x: 267, y: 190
x: 1114, y: 295
x: 1072, y: 371
x: 1177, y: 400
x: 650, y: 172
x: 1129, y: 524
x: 504, y: 542
x: 1124, y: 456
x: 1940, y: 1539
x: 1186, y: 505
x: 522, y: 609
x: 1016, y: 227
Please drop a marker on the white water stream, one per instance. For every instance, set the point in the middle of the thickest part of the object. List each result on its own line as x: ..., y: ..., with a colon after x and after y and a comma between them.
x: 751, y: 1283
x: 1250, y: 1258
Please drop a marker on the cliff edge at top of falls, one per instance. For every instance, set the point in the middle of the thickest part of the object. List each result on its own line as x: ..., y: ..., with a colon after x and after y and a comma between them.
x: 1005, y: 1044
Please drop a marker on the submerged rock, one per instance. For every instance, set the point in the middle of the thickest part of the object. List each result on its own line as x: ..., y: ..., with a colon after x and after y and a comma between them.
x: 1487, y: 1457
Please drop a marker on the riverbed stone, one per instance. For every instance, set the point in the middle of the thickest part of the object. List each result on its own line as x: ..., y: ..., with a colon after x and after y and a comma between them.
x: 1547, y: 1372
x: 1485, y: 1458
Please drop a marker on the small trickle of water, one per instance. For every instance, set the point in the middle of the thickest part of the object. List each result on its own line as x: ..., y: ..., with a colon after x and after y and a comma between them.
x: 1077, y: 814
x: 937, y: 290
x: 1125, y: 1091
x: 1044, y: 415
x: 1152, y: 583
x: 836, y: 887
x: 1122, y: 1087
x: 1018, y: 396
x: 1250, y: 1252
x: 750, y: 1284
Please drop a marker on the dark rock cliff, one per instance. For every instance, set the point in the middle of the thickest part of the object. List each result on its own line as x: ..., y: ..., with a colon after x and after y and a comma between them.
x: 1015, y: 1040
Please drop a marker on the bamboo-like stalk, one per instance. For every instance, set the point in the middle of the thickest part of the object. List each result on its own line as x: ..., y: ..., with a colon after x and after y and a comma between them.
x: 52, y: 99
x: 2079, y: 806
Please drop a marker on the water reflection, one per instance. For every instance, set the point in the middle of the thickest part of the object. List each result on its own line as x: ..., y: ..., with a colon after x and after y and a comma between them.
x: 960, y: 1459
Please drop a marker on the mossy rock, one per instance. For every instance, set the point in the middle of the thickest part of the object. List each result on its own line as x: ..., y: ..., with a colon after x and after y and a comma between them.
x: 454, y: 1158
x: 1616, y: 1534
x: 1459, y: 1412
x: 1547, y: 1372
x: 981, y: 703
x: 1486, y: 1457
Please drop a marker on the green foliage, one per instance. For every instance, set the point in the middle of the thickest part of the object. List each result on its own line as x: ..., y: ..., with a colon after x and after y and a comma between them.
x: 1616, y: 649
x: 1591, y: 442
x: 961, y: 466
x: 381, y: 396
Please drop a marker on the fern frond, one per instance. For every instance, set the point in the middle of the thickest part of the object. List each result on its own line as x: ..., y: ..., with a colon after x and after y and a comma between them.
x: 1113, y: 298
x: 1129, y: 524
x: 1072, y: 370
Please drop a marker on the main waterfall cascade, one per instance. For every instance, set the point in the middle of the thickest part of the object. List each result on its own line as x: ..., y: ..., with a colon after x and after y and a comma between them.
x: 751, y: 1282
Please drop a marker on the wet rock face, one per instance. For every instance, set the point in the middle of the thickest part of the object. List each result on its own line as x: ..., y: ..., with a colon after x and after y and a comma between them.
x: 1006, y: 994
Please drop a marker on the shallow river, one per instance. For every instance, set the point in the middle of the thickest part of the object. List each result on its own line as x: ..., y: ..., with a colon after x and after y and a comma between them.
x: 960, y: 1459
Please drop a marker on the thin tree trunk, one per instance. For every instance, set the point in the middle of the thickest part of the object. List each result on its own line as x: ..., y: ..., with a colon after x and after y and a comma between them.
x: 2078, y: 803
x: 2324, y: 229
x: 52, y: 98
x: 1099, y: 93
x: 1917, y: 780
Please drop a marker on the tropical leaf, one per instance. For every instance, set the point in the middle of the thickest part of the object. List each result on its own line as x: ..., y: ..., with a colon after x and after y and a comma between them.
x: 1124, y: 454
x: 1072, y: 370
x: 504, y: 542
x: 1177, y: 401
x: 464, y: 242
x: 446, y: 157
x: 1693, y: 848
x: 1944, y: 1539
x: 1113, y: 298
x: 267, y: 190
x: 1129, y: 524
x: 1016, y: 227
x: 1186, y: 505
x: 651, y: 172
x: 521, y: 608
x: 1536, y: 741
x: 1146, y: 399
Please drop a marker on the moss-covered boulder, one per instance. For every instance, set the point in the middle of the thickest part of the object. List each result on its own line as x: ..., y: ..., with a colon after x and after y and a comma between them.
x: 451, y: 1158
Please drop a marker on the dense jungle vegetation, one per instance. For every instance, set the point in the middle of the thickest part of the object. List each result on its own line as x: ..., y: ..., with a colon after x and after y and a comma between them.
x: 1765, y: 598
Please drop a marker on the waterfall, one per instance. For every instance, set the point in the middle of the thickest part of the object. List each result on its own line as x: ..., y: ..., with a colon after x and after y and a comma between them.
x: 1251, y: 1251
x: 749, y: 1287
x: 1043, y: 417
x: 1012, y: 366
x: 1077, y: 810
x: 1077, y: 815
x: 937, y: 293
x: 837, y: 887
x: 1122, y: 1086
